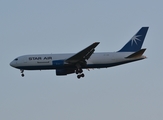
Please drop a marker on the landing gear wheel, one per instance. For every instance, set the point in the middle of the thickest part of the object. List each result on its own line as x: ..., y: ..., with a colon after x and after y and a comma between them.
x: 22, y: 75
x: 79, y: 71
x: 82, y: 75
x: 78, y: 76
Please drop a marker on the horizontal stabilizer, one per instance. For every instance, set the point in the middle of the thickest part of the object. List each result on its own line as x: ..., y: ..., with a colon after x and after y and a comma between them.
x: 137, y: 54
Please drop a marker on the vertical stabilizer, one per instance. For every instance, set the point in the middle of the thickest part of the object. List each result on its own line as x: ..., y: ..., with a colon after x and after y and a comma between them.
x: 136, y: 41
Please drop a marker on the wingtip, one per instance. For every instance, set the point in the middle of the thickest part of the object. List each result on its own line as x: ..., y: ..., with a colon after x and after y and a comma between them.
x: 96, y: 42
x: 145, y: 27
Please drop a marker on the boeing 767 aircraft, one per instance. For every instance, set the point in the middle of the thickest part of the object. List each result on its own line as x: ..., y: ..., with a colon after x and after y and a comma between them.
x: 85, y: 59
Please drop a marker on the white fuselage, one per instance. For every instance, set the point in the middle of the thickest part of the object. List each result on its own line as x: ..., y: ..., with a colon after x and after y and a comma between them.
x: 97, y: 60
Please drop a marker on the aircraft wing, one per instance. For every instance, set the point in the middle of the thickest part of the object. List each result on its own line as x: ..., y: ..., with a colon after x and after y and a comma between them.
x: 82, y: 55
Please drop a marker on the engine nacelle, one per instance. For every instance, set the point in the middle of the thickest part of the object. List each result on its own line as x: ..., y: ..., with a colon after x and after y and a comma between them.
x: 64, y: 71
x: 58, y: 63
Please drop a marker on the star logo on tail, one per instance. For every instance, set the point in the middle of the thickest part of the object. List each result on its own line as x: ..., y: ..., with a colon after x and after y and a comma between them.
x: 135, y: 39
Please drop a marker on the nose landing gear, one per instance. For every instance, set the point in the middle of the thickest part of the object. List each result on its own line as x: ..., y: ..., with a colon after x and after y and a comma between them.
x: 22, y: 73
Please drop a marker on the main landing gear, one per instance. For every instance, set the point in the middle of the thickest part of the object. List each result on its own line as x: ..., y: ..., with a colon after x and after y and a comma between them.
x: 22, y: 73
x: 79, y: 73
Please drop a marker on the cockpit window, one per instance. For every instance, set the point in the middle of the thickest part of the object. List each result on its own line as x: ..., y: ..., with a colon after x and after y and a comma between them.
x: 16, y: 59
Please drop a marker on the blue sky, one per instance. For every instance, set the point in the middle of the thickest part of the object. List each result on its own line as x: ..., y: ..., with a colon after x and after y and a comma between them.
x: 132, y: 91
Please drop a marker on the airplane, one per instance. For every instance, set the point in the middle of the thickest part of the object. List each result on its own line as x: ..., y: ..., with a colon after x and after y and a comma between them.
x: 65, y: 64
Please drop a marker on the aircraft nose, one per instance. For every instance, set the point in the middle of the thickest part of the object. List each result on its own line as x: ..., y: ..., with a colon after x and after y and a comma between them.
x: 12, y: 64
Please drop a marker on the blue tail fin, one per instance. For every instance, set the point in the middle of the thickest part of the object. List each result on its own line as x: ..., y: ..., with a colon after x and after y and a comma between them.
x: 136, y: 41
